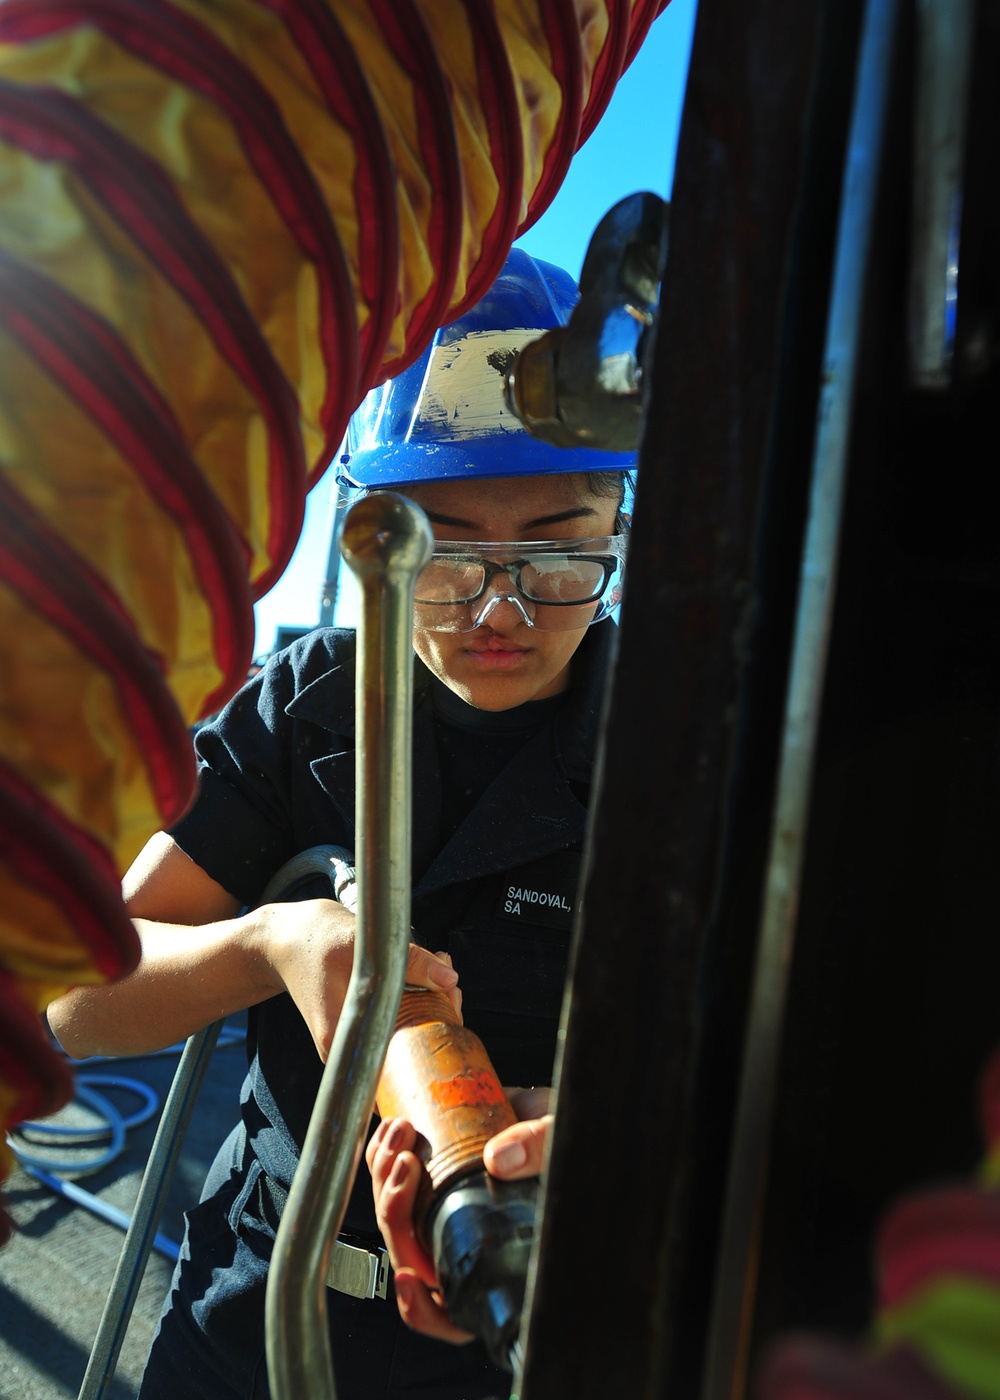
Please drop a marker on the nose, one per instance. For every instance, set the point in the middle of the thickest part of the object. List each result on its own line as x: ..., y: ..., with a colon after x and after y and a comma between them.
x: 503, y: 611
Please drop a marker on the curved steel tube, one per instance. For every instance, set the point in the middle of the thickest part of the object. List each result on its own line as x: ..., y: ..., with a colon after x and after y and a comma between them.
x: 736, y: 1270
x: 386, y: 542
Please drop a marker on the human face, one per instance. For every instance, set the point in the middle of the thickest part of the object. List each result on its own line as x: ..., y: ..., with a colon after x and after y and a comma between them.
x: 505, y: 662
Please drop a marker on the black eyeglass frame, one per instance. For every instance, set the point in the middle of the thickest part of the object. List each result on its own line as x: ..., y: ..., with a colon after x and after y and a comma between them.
x: 474, y: 552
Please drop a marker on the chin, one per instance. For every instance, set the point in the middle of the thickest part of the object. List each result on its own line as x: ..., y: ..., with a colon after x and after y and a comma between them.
x: 489, y: 692
x: 490, y: 697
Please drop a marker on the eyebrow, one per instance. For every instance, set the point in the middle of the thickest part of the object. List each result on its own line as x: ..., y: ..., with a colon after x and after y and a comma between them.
x: 574, y: 513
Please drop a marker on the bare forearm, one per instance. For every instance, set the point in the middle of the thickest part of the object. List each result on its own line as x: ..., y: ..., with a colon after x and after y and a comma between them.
x: 187, y: 978
x: 202, y: 961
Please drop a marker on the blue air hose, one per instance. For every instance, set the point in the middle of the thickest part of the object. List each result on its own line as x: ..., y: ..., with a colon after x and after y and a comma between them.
x: 29, y: 1140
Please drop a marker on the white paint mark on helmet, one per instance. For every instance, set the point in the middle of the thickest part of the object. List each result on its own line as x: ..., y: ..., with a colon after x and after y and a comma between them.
x: 463, y: 387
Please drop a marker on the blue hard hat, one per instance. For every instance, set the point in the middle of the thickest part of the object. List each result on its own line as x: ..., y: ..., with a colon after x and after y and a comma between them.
x: 444, y: 417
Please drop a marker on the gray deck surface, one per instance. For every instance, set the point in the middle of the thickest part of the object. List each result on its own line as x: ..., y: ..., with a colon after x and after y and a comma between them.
x: 56, y: 1271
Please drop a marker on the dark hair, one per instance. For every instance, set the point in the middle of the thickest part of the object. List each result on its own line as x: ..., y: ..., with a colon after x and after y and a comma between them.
x: 611, y: 484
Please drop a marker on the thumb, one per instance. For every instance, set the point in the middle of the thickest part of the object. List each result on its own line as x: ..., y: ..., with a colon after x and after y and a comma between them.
x: 435, y: 972
x: 518, y: 1151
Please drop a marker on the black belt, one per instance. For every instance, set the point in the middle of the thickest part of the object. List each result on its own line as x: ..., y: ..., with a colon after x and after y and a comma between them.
x: 359, y: 1264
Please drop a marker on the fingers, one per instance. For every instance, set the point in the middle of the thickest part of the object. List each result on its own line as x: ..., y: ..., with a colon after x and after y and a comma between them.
x: 395, y: 1181
x: 433, y: 970
x: 393, y: 1135
x: 419, y: 1308
x: 396, y: 1173
x: 519, y: 1151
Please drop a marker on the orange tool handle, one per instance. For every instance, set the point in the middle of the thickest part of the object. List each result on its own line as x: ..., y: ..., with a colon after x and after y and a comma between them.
x: 438, y: 1076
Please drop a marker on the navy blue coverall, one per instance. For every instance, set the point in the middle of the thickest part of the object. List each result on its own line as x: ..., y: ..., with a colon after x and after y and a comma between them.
x: 498, y: 824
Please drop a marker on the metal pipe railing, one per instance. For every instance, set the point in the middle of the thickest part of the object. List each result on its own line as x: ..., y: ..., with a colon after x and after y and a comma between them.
x: 386, y: 541
x: 731, y: 1320
x: 153, y: 1192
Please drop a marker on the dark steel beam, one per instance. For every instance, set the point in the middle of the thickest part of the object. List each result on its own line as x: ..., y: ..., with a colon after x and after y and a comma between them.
x: 665, y: 941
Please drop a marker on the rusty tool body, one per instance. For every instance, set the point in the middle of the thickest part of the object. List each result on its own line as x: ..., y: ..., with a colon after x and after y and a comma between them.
x: 477, y: 1230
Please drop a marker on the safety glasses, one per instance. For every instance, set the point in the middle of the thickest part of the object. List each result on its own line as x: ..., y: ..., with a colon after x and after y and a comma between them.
x: 555, y: 585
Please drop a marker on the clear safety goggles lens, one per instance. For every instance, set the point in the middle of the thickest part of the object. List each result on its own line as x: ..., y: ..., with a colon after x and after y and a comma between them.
x: 554, y: 588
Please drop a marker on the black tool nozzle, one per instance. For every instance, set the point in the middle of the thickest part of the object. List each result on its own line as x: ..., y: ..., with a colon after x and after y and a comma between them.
x: 480, y: 1233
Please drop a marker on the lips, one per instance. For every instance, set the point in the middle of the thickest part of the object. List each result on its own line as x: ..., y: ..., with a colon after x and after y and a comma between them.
x: 496, y: 652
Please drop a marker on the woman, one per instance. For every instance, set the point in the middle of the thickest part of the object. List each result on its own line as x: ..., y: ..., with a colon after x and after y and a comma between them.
x: 509, y: 682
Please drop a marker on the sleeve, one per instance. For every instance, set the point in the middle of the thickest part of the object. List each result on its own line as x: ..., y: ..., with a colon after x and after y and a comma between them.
x: 239, y: 827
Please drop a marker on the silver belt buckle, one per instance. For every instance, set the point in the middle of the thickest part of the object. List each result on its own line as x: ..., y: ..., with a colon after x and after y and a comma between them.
x: 358, y: 1272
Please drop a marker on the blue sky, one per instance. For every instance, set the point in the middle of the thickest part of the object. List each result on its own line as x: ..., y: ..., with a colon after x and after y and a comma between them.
x: 632, y: 148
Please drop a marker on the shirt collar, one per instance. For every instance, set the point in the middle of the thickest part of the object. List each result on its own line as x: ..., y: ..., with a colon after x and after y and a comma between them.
x: 328, y: 700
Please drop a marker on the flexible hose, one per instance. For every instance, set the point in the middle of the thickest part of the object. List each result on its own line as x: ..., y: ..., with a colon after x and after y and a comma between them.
x: 221, y: 222
x: 110, y: 1123
x: 44, y: 1148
